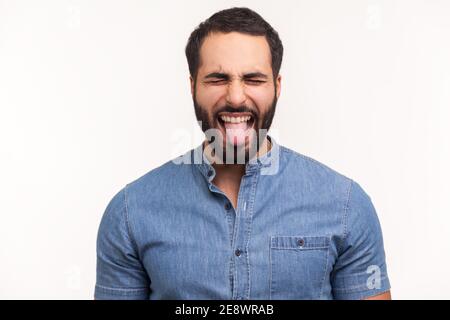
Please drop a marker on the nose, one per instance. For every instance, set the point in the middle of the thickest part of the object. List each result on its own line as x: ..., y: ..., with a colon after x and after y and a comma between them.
x: 236, y: 94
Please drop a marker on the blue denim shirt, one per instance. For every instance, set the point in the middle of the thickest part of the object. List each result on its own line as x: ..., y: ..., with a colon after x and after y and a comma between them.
x: 300, y: 231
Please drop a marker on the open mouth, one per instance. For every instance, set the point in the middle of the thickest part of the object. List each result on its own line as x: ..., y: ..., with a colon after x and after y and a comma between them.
x: 236, y: 126
x: 236, y: 121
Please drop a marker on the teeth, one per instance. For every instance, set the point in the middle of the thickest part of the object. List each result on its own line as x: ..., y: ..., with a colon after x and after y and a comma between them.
x: 235, y: 119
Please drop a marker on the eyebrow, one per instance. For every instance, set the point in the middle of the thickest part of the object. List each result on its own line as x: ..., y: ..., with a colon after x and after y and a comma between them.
x: 255, y: 75
x: 220, y: 75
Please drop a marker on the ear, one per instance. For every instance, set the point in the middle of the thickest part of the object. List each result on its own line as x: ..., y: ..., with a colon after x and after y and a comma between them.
x: 192, y: 85
x: 278, y: 85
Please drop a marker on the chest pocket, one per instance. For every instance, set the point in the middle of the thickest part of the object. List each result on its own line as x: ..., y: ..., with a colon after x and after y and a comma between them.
x: 298, y: 266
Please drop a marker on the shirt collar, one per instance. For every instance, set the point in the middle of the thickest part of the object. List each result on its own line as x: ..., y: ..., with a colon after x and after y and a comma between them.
x: 201, y: 161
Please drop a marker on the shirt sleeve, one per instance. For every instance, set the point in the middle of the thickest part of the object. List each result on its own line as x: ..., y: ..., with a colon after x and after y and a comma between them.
x: 120, y: 274
x: 360, y: 270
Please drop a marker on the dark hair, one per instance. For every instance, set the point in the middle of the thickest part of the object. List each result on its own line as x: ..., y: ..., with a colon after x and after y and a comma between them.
x: 241, y: 20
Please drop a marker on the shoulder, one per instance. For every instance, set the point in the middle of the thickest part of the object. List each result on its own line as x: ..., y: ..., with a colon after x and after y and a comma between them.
x: 315, y: 174
x: 330, y: 185
x: 160, y: 179
x: 358, y: 215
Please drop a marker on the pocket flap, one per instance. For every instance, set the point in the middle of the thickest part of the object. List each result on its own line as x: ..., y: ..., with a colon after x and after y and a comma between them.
x: 299, y: 242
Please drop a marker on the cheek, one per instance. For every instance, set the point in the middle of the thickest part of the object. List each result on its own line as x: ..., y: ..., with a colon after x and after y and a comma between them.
x: 262, y: 97
x: 209, y: 97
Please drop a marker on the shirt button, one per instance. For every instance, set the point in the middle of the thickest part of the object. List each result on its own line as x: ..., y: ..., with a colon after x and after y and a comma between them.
x: 301, y: 242
x: 237, y: 252
x: 227, y: 206
x: 210, y: 173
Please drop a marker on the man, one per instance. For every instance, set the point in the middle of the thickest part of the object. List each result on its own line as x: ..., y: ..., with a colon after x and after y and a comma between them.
x: 240, y: 216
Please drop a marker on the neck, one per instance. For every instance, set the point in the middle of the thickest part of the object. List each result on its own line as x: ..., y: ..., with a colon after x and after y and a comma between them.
x: 236, y: 171
x: 228, y: 176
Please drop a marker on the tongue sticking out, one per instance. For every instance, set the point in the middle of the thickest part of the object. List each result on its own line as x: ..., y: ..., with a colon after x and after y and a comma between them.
x: 236, y: 132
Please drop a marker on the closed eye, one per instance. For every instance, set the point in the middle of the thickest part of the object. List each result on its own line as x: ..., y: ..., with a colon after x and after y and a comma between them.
x: 251, y: 81
x: 217, y: 81
x: 255, y: 81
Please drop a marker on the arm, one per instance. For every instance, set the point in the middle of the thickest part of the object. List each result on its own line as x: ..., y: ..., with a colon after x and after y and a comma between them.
x: 383, y: 296
x: 120, y: 273
x: 360, y: 270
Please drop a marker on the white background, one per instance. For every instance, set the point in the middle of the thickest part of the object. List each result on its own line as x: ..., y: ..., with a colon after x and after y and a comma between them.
x: 89, y: 90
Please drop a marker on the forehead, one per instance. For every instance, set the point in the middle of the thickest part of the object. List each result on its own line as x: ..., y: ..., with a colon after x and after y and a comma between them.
x: 234, y: 53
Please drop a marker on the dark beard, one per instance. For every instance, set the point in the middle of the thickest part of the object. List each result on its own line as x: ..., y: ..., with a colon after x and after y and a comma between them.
x: 206, y: 122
